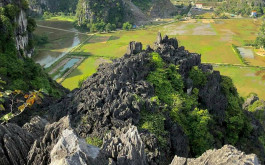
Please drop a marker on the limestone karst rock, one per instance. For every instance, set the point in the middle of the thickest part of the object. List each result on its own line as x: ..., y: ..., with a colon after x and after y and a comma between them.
x: 226, y: 155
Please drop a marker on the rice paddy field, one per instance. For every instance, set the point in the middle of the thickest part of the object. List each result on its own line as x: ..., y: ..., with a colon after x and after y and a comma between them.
x: 246, y: 80
x: 212, y: 39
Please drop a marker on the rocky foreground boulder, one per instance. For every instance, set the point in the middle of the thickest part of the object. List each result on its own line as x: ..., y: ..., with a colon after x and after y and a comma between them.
x: 226, y: 155
x: 102, y: 122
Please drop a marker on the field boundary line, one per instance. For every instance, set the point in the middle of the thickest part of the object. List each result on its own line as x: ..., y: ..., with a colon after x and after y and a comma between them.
x: 234, y: 65
x: 71, y: 70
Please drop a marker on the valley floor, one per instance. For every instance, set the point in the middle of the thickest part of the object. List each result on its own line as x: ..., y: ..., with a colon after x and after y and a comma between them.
x: 213, y: 39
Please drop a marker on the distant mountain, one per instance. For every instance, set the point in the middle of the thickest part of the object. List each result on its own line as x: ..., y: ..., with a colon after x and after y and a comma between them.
x: 39, y: 6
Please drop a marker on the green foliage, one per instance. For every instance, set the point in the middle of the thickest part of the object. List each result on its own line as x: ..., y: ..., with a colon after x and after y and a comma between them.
x: 262, y: 139
x: 239, y: 8
x: 31, y: 24
x: 40, y: 40
x: 109, y: 27
x: 25, y: 4
x: 127, y: 26
x: 178, y: 17
x: 169, y: 86
x: 47, y: 15
x: 100, y: 11
x: 260, y: 40
x: 198, y: 130
x: 143, y: 4
x: 199, y: 78
x: 258, y: 109
x: 58, y: 6
x: 11, y: 11
x: 154, y: 123
x: 95, y: 141
x: 165, y: 80
x: 19, y: 73
x: 236, y: 122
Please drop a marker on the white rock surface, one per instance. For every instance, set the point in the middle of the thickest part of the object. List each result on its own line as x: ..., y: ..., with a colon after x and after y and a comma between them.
x: 228, y: 155
x: 70, y: 150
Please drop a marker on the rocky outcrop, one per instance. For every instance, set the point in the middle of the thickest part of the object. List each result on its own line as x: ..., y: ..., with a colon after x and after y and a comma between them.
x: 36, y: 126
x: 134, y: 48
x: 15, y: 143
x: 72, y: 150
x: 109, y: 107
x: 40, y: 151
x: 124, y: 146
x: 226, y: 155
x: 60, y: 145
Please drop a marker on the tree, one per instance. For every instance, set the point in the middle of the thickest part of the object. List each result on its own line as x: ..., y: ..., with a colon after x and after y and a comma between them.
x: 108, y: 27
x: 260, y: 40
x: 127, y: 26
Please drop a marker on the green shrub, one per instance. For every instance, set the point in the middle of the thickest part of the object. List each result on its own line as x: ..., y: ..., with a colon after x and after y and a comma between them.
x: 154, y: 123
x: 237, y: 123
x: 127, y: 26
x: 258, y: 109
x: 199, y: 78
x: 95, y: 141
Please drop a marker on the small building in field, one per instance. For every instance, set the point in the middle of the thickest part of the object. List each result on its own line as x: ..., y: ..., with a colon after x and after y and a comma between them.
x: 254, y: 13
x: 199, y: 5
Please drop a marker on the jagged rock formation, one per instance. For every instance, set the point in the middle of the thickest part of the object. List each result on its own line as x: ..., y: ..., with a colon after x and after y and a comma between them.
x: 124, y: 146
x: 109, y: 106
x: 71, y: 150
x: 15, y: 144
x: 134, y: 48
x: 226, y: 155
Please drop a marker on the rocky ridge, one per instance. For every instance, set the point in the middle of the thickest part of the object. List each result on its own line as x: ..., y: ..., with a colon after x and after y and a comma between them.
x: 226, y: 155
x: 109, y: 106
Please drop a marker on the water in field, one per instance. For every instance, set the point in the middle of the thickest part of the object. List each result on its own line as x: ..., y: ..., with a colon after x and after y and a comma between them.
x: 66, y: 67
x: 246, y: 52
x: 60, y: 42
x: 69, y: 64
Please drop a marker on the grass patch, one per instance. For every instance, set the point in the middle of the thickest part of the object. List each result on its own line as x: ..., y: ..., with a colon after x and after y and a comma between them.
x: 245, y: 79
x: 62, y: 18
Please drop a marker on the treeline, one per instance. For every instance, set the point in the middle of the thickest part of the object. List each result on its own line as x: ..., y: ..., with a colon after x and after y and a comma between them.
x: 241, y: 7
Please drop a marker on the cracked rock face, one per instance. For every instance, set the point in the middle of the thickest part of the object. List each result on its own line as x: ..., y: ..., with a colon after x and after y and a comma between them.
x: 15, y: 143
x: 227, y: 155
x: 125, y: 146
